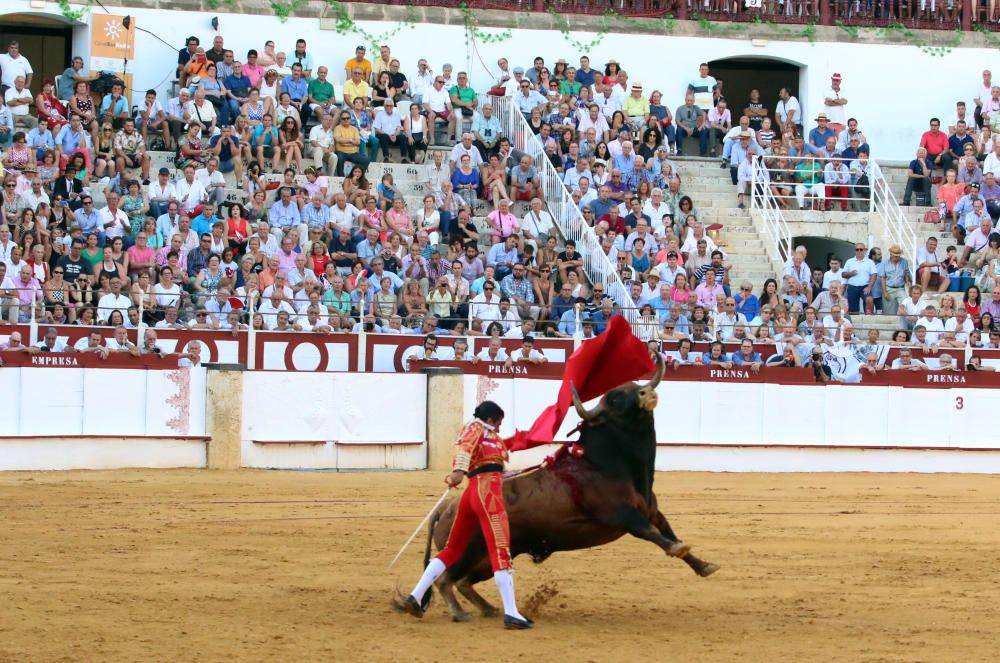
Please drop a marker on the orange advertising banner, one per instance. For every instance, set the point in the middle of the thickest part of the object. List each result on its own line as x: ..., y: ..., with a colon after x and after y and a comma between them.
x: 111, y: 43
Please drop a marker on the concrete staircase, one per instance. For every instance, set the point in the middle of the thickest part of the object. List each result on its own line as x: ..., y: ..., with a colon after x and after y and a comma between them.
x: 714, y: 198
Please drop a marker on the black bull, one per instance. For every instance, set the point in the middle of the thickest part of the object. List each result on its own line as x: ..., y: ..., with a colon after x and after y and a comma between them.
x: 575, y: 502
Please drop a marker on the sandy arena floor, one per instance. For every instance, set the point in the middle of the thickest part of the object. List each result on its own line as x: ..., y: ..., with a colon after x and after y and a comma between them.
x: 291, y: 566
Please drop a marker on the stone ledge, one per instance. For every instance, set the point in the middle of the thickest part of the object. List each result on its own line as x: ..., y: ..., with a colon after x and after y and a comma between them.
x: 493, y: 18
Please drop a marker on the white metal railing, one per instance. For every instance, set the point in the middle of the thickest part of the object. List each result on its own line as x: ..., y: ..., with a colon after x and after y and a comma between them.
x: 897, y: 228
x: 775, y: 227
x: 565, y: 213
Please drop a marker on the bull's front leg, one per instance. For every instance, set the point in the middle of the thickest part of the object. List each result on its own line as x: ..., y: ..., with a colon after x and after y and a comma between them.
x: 636, y: 523
x: 701, y: 567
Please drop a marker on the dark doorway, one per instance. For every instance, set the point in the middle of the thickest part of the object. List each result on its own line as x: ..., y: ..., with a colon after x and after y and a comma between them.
x: 740, y: 75
x: 821, y: 249
x: 46, y: 42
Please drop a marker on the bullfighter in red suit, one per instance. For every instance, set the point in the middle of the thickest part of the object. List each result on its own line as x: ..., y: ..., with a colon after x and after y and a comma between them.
x: 480, y: 455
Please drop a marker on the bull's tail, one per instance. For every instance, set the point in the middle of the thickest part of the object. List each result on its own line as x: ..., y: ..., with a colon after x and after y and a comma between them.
x: 427, y: 552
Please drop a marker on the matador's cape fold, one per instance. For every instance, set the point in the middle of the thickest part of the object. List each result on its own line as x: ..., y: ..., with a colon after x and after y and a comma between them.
x: 598, y: 366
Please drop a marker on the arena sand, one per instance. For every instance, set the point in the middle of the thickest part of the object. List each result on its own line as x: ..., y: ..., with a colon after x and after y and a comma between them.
x: 291, y: 566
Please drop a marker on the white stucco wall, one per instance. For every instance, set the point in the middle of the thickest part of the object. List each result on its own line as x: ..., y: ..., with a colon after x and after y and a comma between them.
x: 883, y: 83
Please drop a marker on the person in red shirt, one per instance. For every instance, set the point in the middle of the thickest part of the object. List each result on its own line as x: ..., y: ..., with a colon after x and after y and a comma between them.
x: 480, y: 455
x: 935, y: 142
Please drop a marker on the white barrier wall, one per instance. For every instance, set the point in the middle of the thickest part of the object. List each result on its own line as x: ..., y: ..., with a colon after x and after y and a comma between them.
x: 724, y: 426
x: 339, y: 420
x: 76, y: 418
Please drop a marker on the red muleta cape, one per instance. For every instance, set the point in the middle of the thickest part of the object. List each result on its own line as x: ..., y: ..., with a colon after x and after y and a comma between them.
x: 598, y: 366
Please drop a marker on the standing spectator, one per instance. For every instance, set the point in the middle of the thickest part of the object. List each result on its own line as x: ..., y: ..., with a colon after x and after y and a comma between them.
x: 703, y: 88
x: 895, y: 278
x: 860, y: 272
x: 787, y: 112
x: 12, y: 65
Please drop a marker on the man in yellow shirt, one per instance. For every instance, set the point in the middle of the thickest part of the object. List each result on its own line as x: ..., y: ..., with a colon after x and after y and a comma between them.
x: 636, y: 107
x: 356, y: 87
x: 358, y: 61
x: 347, y: 142
x: 381, y: 62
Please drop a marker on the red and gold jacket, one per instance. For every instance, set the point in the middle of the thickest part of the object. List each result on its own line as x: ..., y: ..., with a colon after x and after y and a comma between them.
x: 479, y: 444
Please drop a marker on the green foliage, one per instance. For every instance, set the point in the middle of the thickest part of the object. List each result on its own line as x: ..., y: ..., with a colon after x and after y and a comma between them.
x: 991, y: 39
x: 473, y: 33
x: 344, y: 24
x: 562, y: 25
x: 852, y: 31
x: 71, y: 14
x: 902, y: 33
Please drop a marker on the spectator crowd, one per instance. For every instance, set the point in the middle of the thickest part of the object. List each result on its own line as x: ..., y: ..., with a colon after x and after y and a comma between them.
x: 271, y: 215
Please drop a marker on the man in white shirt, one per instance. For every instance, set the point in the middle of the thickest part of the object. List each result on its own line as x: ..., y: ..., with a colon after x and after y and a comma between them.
x: 835, y: 104
x: 931, y: 270
x: 465, y: 147
x: 271, y: 306
x: 504, y: 313
x: 420, y: 82
x: 388, y: 128
x: 201, y: 111
x: 18, y: 98
x: 860, y: 272
x: 161, y: 193
x: 190, y: 192
x: 537, y: 224
x: 13, y: 64
x: 931, y: 323
x: 911, y: 307
x: 113, y: 301
x: 835, y: 273
x: 343, y: 214
x: 120, y: 343
x: 960, y: 324
x: 493, y: 352
x: 527, y: 353
x: 787, y: 110
x: 322, y: 146
x: 212, y: 181
x: 437, y: 104
x: 114, y: 221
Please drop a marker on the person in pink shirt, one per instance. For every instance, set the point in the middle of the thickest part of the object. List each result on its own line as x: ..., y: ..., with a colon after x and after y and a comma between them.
x: 28, y: 290
x: 502, y: 222
x: 708, y: 290
x: 253, y: 69
x: 286, y: 254
x: 141, y: 258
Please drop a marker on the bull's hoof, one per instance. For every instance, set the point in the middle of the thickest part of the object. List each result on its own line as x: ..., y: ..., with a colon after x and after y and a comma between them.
x: 489, y: 611
x: 679, y: 549
x: 461, y: 616
x: 409, y: 605
x: 708, y: 569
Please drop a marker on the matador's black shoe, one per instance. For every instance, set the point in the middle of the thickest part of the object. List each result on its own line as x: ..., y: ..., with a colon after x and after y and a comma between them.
x: 408, y: 605
x: 517, y: 623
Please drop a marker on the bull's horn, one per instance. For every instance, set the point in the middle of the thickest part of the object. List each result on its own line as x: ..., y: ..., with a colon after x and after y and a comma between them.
x: 584, y: 414
x: 658, y: 375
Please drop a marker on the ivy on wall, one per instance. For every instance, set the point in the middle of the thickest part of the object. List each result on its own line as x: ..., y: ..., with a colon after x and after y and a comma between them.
x: 899, y: 32
x: 474, y: 34
x: 344, y: 24
x: 608, y: 21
